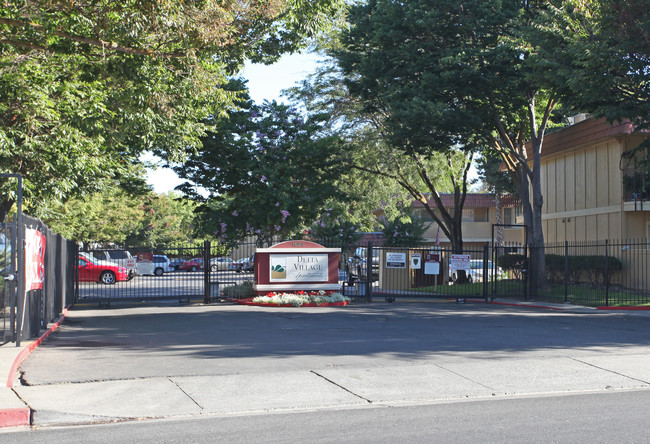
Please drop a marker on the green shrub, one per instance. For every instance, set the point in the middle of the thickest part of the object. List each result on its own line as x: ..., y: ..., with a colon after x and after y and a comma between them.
x: 513, y: 262
x: 240, y: 291
x: 594, y: 267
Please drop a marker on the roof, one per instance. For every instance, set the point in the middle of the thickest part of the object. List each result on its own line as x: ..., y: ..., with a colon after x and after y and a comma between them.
x: 580, y: 133
x: 473, y: 200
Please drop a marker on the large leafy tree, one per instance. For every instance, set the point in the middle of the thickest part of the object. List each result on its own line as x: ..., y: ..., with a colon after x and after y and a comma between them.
x: 373, y: 155
x: 473, y: 73
x: 85, y: 88
x: 269, y: 172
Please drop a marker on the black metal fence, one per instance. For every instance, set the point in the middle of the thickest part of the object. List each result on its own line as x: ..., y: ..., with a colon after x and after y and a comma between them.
x: 200, y: 271
x: 604, y: 273
x: 607, y: 273
x: 37, y: 272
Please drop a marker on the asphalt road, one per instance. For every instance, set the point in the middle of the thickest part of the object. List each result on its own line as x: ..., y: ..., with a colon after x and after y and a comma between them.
x: 619, y: 417
x: 438, y: 368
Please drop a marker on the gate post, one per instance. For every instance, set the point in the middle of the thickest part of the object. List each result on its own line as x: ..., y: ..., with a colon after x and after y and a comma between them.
x: 369, y: 265
x: 206, y: 271
x: 566, y: 271
x: 486, y: 273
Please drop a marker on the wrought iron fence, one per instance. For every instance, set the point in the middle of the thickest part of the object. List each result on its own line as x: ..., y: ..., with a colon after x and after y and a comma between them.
x: 602, y: 273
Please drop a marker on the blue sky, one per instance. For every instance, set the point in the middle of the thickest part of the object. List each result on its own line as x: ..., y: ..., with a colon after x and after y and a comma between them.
x: 264, y: 83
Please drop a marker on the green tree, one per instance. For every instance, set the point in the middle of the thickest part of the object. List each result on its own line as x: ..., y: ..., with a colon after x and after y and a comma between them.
x: 469, y: 73
x: 406, y: 230
x: 372, y: 156
x: 268, y: 171
x: 85, y: 88
x: 116, y: 218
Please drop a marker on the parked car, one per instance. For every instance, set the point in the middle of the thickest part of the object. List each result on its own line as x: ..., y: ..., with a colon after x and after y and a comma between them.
x: 244, y: 265
x: 192, y: 264
x: 93, y: 270
x: 356, y: 267
x: 123, y: 258
x: 475, y: 273
x: 220, y: 263
x: 176, y: 263
x: 161, y: 264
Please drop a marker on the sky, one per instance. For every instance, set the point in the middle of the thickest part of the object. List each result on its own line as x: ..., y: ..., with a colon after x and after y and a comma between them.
x: 264, y: 83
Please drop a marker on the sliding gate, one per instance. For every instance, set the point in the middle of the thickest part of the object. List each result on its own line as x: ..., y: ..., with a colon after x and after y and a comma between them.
x: 193, y: 273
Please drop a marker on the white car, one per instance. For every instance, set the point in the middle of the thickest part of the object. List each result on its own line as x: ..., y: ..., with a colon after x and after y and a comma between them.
x: 475, y: 273
x: 161, y: 264
x: 220, y: 263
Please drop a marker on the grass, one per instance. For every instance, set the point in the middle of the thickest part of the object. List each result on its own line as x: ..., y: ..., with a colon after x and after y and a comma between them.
x: 504, y: 287
x: 582, y: 295
x: 595, y: 297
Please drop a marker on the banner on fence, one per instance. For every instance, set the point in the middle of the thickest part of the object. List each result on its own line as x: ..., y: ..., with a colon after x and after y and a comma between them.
x: 460, y: 261
x: 35, y: 243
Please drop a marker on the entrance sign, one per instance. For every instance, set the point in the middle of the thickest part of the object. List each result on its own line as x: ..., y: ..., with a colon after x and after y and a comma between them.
x: 416, y: 261
x: 432, y: 263
x: 296, y: 265
x: 299, y: 267
x: 395, y: 260
x: 460, y: 262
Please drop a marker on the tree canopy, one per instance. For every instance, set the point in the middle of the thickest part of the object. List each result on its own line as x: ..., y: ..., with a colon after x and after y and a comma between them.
x: 268, y: 170
x: 85, y: 88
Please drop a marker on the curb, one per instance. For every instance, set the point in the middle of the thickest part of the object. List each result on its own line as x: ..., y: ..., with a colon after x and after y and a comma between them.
x: 15, y: 417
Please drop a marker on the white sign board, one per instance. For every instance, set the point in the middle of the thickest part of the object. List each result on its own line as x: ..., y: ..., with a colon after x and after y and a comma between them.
x: 416, y: 261
x: 459, y: 262
x: 432, y: 263
x: 395, y: 260
x: 299, y: 267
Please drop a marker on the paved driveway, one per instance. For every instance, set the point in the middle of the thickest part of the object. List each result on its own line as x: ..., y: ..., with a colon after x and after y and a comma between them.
x: 166, y: 361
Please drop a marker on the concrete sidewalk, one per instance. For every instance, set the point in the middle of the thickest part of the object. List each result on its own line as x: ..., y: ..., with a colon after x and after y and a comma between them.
x: 354, y: 383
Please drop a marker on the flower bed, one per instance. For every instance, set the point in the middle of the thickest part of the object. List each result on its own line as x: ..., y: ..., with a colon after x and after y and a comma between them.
x: 299, y: 299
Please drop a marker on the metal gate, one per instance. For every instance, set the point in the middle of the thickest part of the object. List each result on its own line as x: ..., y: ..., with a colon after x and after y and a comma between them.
x: 199, y: 272
x: 433, y: 272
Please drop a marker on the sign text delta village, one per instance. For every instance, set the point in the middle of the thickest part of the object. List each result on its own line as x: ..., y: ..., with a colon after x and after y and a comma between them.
x: 291, y: 266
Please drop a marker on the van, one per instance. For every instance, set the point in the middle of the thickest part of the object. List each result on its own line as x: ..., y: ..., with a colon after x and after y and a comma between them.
x: 123, y: 258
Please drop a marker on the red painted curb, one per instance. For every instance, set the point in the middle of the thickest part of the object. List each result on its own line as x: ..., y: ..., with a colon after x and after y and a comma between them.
x: 22, y: 416
x: 15, y: 417
x: 24, y: 353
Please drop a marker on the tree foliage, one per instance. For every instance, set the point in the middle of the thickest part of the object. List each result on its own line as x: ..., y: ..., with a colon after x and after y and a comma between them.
x: 469, y: 73
x: 117, y: 218
x: 85, y: 88
x: 268, y: 171
x: 399, y: 173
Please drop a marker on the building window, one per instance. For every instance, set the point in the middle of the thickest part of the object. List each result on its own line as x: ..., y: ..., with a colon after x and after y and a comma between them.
x: 481, y: 215
x: 519, y: 214
x: 475, y: 215
x: 509, y: 216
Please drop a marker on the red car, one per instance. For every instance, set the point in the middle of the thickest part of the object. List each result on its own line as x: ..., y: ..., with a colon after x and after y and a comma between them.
x: 92, y: 270
x: 192, y: 265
